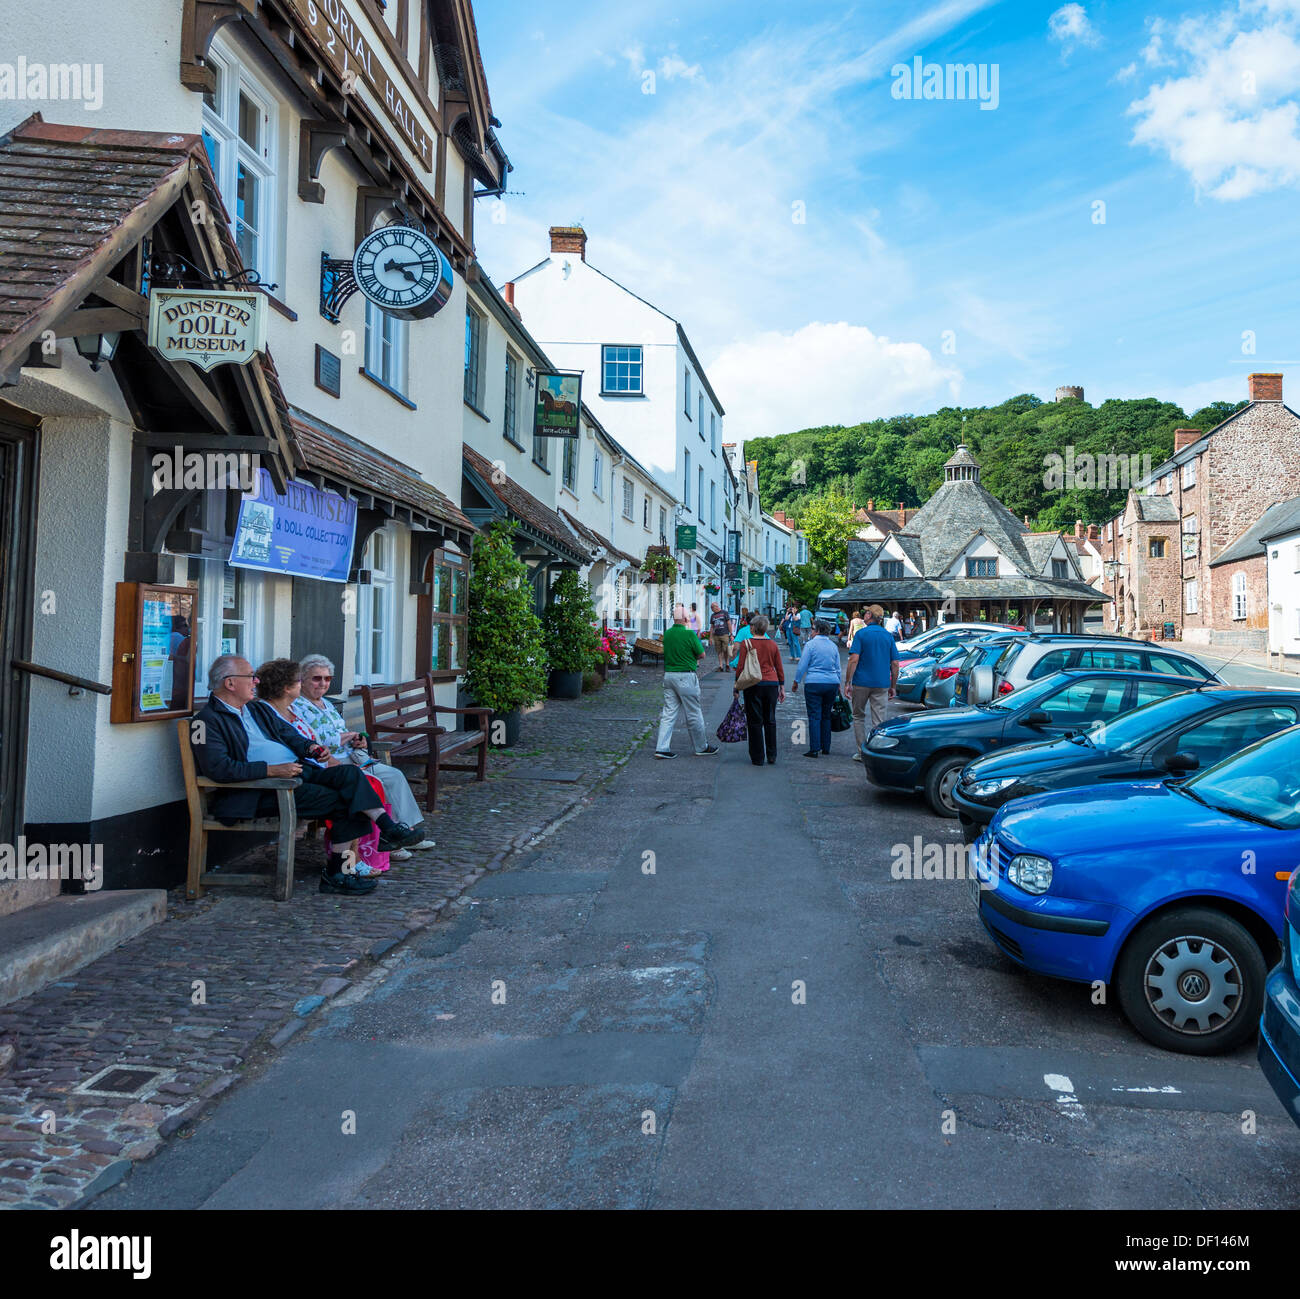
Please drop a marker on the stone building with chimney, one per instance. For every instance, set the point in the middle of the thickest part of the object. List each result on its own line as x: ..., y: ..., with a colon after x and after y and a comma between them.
x: 1182, y: 559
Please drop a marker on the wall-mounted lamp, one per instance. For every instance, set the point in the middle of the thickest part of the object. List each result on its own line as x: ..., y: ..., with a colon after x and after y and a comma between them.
x: 97, y: 348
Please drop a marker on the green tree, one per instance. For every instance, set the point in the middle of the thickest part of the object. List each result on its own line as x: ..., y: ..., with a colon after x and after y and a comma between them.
x: 828, y: 523
x: 804, y: 582
x: 506, y: 665
x: 569, y: 625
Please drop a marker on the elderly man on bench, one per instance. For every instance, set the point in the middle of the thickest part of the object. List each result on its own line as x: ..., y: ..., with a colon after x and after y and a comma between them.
x: 236, y: 737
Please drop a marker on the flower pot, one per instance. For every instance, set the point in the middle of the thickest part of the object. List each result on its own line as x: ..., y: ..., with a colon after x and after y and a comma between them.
x: 504, y: 729
x: 565, y: 685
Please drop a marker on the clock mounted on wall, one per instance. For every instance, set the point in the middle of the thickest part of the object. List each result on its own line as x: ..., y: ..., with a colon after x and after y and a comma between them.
x: 398, y: 267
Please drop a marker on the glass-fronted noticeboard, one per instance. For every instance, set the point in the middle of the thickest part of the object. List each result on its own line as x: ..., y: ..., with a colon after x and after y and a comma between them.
x: 153, y: 652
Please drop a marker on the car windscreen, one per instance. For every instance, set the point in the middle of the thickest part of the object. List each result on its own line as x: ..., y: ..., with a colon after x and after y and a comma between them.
x: 1126, y: 732
x: 955, y: 655
x: 1031, y: 693
x: 1261, y: 783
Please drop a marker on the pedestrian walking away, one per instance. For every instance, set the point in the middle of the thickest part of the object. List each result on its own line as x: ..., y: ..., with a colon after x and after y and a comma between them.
x: 693, y: 621
x: 894, y: 625
x: 789, y: 630
x: 819, y: 670
x: 682, y: 654
x: 805, y: 624
x: 871, y: 674
x: 720, y: 634
x: 762, y: 697
x: 856, y: 624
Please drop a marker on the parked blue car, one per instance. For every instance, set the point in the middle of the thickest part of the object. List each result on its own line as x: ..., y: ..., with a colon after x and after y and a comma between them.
x: 1279, y: 1030
x: 1171, y: 894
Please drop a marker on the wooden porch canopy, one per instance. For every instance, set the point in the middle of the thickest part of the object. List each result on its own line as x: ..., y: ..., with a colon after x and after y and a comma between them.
x: 87, y: 220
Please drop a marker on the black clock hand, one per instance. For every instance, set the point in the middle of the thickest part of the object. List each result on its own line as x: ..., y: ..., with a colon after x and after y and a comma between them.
x: 391, y: 265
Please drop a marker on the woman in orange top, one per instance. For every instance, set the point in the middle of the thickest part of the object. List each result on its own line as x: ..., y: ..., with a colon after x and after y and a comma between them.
x: 761, y: 699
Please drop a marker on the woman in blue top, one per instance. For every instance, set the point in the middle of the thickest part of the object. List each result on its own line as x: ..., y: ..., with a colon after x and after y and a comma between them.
x: 742, y: 633
x: 819, y: 669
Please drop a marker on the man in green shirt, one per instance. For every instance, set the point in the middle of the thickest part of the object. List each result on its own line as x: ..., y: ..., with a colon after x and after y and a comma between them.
x: 682, y: 653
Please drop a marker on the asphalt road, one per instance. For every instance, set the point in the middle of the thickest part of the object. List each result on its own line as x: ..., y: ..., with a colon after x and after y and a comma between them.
x: 707, y: 991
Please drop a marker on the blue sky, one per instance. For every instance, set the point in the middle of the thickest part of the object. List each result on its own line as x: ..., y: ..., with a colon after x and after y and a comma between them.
x: 943, y: 252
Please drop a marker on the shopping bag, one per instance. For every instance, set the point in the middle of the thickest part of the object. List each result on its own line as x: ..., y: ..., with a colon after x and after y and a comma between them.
x: 732, y: 729
x: 751, y: 671
x: 841, y: 714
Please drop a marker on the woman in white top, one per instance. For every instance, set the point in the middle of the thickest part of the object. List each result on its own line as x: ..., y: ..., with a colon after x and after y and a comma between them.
x: 330, y: 730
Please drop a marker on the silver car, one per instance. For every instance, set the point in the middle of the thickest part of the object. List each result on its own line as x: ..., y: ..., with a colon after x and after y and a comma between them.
x: 1027, y: 659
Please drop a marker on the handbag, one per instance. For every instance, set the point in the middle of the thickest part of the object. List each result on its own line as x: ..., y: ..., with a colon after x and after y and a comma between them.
x: 752, y: 671
x: 732, y: 728
x: 841, y: 714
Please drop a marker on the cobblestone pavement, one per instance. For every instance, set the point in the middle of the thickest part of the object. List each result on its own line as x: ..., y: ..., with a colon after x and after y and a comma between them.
x: 222, y: 981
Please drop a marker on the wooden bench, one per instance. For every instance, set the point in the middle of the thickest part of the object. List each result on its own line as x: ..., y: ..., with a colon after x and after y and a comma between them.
x: 198, y: 789
x: 404, y: 720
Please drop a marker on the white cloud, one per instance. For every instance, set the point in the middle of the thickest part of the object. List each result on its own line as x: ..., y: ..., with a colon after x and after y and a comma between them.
x: 1071, y: 26
x: 1126, y: 73
x: 673, y: 65
x: 824, y: 373
x: 1231, y: 119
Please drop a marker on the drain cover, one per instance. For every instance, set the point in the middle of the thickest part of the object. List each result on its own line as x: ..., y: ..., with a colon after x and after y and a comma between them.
x: 123, y: 1080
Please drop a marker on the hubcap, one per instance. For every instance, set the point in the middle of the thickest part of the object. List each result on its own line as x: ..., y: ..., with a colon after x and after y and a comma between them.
x: 946, y: 785
x: 1193, y: 985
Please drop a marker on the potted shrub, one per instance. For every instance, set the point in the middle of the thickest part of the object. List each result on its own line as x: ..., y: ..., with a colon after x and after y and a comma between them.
x: 569, y: 636
x: 614, y: 644
x: 506, y: 665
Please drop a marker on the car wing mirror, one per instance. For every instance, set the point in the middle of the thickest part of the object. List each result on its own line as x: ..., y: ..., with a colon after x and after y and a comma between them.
x: 1037, y: 718
x: 1182, y: 762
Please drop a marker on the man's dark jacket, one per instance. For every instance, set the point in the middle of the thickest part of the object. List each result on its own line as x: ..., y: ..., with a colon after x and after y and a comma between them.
x: 223, y: 756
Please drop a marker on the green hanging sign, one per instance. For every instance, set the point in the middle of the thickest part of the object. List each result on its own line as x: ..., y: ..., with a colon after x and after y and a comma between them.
x: 686, y: 536
x: 756, y: 577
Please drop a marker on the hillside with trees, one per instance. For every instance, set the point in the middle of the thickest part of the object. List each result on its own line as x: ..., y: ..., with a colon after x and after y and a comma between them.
x: 901, y: 458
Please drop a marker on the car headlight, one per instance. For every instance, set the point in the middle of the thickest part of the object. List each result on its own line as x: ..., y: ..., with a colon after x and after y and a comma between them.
x: 1030, y: 872
x: 987, y: 788
x: 883, y: 742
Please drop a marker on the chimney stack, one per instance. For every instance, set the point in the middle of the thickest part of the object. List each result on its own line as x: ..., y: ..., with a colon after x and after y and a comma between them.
x: 871, y: 507
x: 1184, y: 437
x: 902, y: 514
x: 1078, y: 529
x: 1265, y: 387
x: 569, y: 239
x: 1094, y: 532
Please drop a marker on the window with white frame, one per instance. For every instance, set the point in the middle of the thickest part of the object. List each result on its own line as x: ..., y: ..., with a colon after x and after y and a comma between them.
x: 227, y: 614
x: 701, y: 423
x: 1238, y: 596
x: 627, y: 498
x: 713, y: 432
x: 1190, y: 604
x: 699, y: 499
x: 375, y: 613
x: 1297, y: 559
x: 686, y: 483
x: 645, y: 513
x: 473, y: 357
x: 240, y: 135
x: 687, y: 407
x: 510, y: 420
x: 663, y: 522
x: 386, y: 348
x: 621, y: 370
x: 713, y: 505
x: 597, y: 472
x: 1167, y: 485
x: 1189, y: 473
x: 569, y: 467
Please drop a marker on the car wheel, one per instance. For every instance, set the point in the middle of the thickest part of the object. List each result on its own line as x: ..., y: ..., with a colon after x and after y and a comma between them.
x: 940, y: 781
x: 1192, y: 980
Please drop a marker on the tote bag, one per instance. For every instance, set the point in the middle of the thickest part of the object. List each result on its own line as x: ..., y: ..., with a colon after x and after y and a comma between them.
x: 751, y: 673
x: 841, y: 714
x: 732, y: 728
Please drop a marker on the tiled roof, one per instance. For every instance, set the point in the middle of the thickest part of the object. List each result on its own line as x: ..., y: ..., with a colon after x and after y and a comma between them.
x: 352, y: 465
x: 1155, y: 509
x: 522, y: 505
x: 596, y: 541
x: 884, y: 590
x: 73, y: 201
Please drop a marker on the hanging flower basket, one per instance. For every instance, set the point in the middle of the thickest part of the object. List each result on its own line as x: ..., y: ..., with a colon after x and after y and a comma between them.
x: 659, y: 566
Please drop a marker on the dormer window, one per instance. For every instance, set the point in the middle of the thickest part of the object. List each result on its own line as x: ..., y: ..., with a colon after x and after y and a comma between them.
x: 981, y: 568
x: 891, y: 569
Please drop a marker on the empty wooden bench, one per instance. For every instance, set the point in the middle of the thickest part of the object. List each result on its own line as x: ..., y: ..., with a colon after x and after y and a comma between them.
x: 404, y: 720
x: 198, y: 789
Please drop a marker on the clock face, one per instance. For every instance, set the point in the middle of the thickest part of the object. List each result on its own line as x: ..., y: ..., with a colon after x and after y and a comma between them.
x: 403, y: 271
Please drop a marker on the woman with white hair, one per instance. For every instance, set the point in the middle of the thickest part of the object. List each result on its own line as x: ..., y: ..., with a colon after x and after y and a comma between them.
x: 330, y: 729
